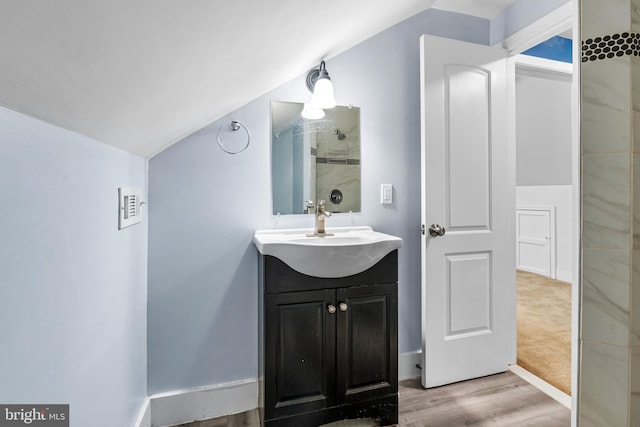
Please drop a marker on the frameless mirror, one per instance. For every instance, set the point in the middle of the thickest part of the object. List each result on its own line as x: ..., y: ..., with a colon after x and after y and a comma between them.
x: 314, y: 160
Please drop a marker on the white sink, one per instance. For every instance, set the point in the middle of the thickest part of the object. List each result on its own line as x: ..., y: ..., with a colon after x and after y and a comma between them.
x: 349, y: 251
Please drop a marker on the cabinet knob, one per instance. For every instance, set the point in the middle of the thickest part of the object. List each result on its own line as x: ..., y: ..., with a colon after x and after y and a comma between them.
x: 343, y: 306
x: 331, y: 309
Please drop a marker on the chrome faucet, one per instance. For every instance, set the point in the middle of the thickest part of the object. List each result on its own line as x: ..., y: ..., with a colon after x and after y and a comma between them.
x: 309, y: 207
x: 321, y: 214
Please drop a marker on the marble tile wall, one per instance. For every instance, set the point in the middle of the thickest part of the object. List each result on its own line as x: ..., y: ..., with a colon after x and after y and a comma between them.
x: 338, y: 162
x: 604, y: 386
x: 634, y: 353
x: 348, y: 183
x: 609, y: 384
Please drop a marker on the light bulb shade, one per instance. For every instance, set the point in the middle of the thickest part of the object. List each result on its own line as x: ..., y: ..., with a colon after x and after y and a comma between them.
x: 323, y: 96
x: 312, y: 113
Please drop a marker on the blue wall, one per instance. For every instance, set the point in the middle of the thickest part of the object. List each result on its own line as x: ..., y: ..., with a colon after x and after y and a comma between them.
x: 519, y: 15
x: 205, y: 205
x: 72, y: 287
x: 556, y: 48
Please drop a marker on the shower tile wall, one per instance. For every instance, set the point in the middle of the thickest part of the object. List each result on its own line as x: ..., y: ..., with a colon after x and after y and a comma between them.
x: 344, y: 162
x: 635, y: 384
x: 610, y: 140
x: 634, y: 375
x: 349, y: 185
x: 604, y: 385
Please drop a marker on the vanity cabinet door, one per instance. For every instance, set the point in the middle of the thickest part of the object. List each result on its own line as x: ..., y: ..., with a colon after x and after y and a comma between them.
x: 367, y: 342
x: 299, y: 352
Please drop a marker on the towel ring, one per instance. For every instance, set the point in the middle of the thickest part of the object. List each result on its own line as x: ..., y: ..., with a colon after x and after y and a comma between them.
x: 232, y: 144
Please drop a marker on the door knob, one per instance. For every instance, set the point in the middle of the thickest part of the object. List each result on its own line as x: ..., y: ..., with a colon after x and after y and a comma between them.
x: 343, y: 306
x: 436, y: 230
x: 331, y: 309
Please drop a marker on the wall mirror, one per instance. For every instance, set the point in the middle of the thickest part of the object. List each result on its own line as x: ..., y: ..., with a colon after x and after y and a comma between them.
x: 315, y: 160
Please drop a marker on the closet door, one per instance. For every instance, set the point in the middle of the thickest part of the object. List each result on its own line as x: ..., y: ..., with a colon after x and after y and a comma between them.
x: 535, y: 240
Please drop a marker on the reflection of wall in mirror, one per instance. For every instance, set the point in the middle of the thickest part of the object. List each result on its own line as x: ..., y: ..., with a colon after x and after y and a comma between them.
x: 282, y: 157
x: 300, y: 169
x: 313, y: 171
x: 292, y: 168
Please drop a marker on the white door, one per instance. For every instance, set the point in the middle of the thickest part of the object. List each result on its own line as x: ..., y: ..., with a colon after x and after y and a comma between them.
x: 468, y: 272
x: 535, y: 240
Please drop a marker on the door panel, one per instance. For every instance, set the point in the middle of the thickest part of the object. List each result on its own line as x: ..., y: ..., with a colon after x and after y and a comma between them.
x: 367, y: 342
x: 300, y: 351
x: 468, y: 294
x: 467, y: 165
x: 468, y: 273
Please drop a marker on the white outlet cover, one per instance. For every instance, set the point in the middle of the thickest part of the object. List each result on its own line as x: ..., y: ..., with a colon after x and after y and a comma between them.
x: 129, y: 212
x: 386, y: 194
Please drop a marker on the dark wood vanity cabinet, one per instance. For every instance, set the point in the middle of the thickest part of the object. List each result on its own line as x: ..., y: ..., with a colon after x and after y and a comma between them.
x: 330, y: 346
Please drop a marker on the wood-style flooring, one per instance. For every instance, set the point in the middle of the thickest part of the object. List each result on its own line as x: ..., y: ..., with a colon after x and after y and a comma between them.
x: 498, y: 400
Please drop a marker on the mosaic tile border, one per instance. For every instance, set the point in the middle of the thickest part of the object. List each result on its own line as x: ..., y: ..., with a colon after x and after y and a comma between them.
x: 337, y: 161
x: 610, y: 46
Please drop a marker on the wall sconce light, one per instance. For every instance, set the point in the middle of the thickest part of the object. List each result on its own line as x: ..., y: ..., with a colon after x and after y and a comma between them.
x: 319, y: 84
x: 311, y: 113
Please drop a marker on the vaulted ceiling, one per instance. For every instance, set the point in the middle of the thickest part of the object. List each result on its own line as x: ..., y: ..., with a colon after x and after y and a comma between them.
x: 143, y: 74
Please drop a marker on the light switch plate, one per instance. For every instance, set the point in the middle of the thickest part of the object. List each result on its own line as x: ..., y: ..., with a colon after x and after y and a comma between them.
x: 129, y: 206
x: 386, y: 194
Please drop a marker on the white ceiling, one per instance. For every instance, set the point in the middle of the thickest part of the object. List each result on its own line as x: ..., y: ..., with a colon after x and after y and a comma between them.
x: 143, y: 74
x: 482, y: 8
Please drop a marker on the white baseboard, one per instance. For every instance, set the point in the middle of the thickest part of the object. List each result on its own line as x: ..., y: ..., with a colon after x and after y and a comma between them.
x: 556, y: 394
x: 184, y: 406
x: 178, y: 407
x: 144, y: 416
x: 564, y: 275
x: 407, y: 365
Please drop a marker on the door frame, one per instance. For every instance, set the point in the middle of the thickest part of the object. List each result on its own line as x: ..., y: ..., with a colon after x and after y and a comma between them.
x: 561, y: 19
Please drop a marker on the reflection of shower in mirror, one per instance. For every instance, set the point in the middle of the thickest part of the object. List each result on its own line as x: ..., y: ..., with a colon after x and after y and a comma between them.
x: 310, y: 158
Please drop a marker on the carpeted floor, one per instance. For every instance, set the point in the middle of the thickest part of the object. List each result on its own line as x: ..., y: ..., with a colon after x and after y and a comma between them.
x: 544, y: 328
